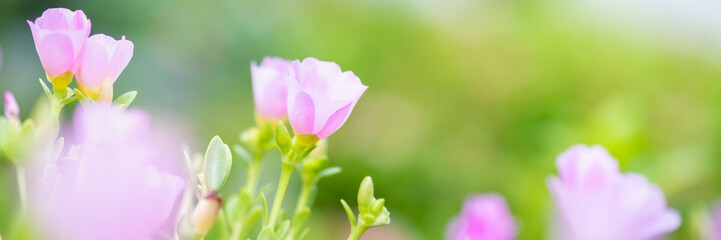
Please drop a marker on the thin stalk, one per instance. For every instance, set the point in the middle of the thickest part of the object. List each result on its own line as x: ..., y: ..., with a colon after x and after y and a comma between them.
x: 286, y: 172
x: 253, y: 171
x: 304, y: 197
x: 22, y: 186
x: 357, y: 231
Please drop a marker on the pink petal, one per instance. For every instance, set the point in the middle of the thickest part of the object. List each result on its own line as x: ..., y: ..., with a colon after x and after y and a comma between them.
x: 301, y: 113
x: 335, y: 121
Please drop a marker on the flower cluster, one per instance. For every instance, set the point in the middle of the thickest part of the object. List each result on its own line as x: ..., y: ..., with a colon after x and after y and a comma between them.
x: 62, y: 42
x: 113, y: 176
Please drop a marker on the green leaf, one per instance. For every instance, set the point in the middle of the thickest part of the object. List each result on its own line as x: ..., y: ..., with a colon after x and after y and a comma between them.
x: 81, y: 95
x: 282, y: 229
x: 265, y: 208
x: 217, y: 163
x: 243, y: 154
x: 126, y: 99
x: 46, y: 89
x: 349, y: 212
x: 329, y: 172
x: 300, y: 218
x: 282, y: 138
x: 267, y: 234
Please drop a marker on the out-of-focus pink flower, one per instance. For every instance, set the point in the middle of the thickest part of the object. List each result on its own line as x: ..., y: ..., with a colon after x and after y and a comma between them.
x: 103, y: 57
x: 60, y: 35
x: 483, y: 217
x: 270, y: 87
x: 112, y: 184
x: 595, y: 201
x: 321, y: 96
x: 11, y: 106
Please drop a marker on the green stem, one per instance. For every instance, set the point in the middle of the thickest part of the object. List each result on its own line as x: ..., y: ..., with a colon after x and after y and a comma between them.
x: 357, y: 231
x: 253, y: 171
x: 22, y: 186
x: 304, y: 196
x: 223, y: 225
x: 286, y: 172
x: 303, y: 199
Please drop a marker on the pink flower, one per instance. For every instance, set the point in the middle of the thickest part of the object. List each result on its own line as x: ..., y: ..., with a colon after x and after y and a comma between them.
x: 595, y: 201
x: 11, y: 106
x: 103, y: 57
x: 321, y: 97
x: 114, y: 183
x: 484, y: 217
x: 270, y: 88
x: 59, y: 36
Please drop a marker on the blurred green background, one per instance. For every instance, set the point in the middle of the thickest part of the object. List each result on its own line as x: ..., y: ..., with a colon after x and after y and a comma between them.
x: 466, y: 96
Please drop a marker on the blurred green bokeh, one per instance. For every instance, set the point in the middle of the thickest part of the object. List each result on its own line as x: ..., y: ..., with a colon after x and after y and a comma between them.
x: 465, y: 96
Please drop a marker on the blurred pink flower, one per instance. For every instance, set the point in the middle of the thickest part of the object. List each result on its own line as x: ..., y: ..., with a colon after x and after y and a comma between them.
x: 321, y: 96
x: 11, y: 106
x: 60, y: 35
x: 270, y: 87
x: 111, y: 185
x: 103, y: 57
x: 483, y: 217
x: 595, y: 201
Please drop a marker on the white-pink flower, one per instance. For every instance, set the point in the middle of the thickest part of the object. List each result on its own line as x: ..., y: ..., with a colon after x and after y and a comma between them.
x: 595, y: 201
x: 102, y: 58
x: 60, y: 35
x: 321, y: 96
x: 270, y: 87
x: 483, y: 217
x: 113, y: 184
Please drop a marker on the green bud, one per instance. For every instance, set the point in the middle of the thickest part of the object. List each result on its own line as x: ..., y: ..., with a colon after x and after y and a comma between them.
x: 217, y: 163
x: 365, y: 194
x: 282, y: 138
x: 368, y: 218
x: 377, y: 206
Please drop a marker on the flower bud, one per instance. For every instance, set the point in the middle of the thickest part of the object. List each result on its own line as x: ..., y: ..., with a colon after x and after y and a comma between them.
x: 11, y: 106
x: 282, y: 138
x: 377, y: 207
x: 365, y: 194
x: 270, y: 88
x: 101, y: 62
x: 206, y: 212
x: 60, y: 35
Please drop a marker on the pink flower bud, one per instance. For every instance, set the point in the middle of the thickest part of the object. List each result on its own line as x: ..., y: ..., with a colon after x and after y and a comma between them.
x: 595, y: 201
x: 60, y: 35
x: 321, y: 97
x: 270, y: 88
x: 11, y: 106
x: 103, y: 57
x: 206, y: 212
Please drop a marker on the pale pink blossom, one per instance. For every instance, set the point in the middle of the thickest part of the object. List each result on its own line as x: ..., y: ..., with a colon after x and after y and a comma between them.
x: 60, y: 35
x: 321, y: 96
x: 595, y: 201
x: 113, y: 183
x: 483, y: 217
x: 270, y: 87
x: 103, y: 57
